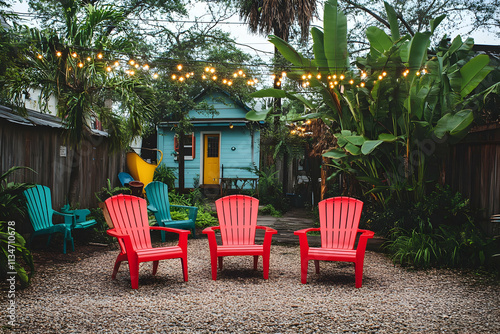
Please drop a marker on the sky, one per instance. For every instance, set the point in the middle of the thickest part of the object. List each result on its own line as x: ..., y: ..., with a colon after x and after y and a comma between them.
x: 258, y: 45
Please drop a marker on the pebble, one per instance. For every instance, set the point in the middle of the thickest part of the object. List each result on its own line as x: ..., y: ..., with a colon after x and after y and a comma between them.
x: 81, y: 298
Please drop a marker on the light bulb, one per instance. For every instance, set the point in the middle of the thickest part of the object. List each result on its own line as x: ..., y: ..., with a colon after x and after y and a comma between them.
x: 179, y: 67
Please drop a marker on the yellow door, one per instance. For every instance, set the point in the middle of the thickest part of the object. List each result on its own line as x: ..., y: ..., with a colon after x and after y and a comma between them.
x: 211, y: 159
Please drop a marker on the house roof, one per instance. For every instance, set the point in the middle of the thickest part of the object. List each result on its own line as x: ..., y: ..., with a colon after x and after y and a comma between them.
x: 232, y: 97
x: 35, y: 118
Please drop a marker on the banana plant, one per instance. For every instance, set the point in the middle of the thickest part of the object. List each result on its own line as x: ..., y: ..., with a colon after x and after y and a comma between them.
x: 390, y: 120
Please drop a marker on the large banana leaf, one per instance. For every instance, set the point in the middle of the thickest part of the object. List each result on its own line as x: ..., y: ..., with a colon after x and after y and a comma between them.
x: 455, y: 124
x: 418, y: 50
x: 393, y: 21
x: 378, y: 39
x: 335, y: 37
x: 319, y: 49
x: 473, y: 73
x: 289, y: 52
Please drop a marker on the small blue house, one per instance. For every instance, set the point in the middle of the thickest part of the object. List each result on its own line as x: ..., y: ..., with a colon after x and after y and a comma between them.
x: 223, y: 144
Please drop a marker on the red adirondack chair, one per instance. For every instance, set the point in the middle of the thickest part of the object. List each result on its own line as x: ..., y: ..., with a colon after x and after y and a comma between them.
x: 131, y: 226
x: 237, y: 223
x: 339, y: 220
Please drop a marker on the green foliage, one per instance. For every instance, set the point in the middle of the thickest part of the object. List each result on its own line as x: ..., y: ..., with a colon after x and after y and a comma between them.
x: 98, y: 232
x: 437, y: 232
x: 109, y: 191
x: 270, y: 189
x: 206, y: 217
x: 166, y: 175
x: 392, y: 124
x: 270, y: 210
x: 14, y: 256
x: 463, y: 246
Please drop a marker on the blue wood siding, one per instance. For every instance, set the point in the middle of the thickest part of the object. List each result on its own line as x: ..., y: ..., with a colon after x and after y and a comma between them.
x: 244, y: 139
x: 231, y: 162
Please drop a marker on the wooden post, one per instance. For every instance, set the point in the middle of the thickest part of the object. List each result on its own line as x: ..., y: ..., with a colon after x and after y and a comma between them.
x: 180, y: 158
x: 323, y: 179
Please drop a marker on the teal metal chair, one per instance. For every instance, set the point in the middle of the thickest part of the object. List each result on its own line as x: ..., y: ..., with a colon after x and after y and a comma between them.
x: 157, y: 195
x: 39, y: 204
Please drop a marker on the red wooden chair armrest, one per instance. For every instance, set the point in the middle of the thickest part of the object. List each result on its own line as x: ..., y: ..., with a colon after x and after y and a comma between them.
x: 211, y: 229
x: 268, y: 235
x: 268, y: 229
x: 183, y: 234
x: 363, y: 239
x: 366, y: 234
x: 126, y: 239
x: 306, y: 230
x: 303, y: 242
x: 170, y: 229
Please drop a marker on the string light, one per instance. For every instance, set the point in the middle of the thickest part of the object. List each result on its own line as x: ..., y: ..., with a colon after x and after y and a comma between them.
x: 80, y: 64
x: 74, y: 54
x: 58, y: 53
x: 99, y: 56
x: 39, y: 56
x: 179, y: 67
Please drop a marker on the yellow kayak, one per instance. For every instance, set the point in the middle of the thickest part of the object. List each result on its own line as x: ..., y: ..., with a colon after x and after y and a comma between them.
x: 140, y: 169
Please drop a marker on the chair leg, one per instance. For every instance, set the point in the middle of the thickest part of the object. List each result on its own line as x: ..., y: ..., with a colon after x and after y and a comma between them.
x: 256, y: 261
x: 221, y: 263
x: 162, y: 236
x: 118, y: 261
x: 185, y: 268
x: 48, y: 240
x: 358, y: 273
x: 155, y: 267
x: 265, y: 265
x: 303, y: 270
x: 213, y: 263
x: 133, y: 266
x: 316, y: 264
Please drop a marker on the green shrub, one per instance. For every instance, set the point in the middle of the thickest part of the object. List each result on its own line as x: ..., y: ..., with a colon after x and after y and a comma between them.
x: 166, y: 175
x: 109, y: 191
x: 270, y: 210
x: 462, y: 246
x: 12, y: 243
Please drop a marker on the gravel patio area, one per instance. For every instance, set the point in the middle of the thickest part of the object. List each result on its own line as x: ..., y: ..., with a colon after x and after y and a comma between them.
x: 80, y: 297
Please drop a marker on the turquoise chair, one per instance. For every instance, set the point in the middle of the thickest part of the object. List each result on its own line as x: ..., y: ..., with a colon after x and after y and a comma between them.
x: 157, y: 195
x: 39, y: 204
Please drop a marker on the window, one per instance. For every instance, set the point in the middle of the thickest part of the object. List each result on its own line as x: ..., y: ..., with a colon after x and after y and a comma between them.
x: 189, y: 147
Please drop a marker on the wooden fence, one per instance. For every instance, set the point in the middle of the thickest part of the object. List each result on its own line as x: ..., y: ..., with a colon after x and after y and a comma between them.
x: 473, y: 169
x: 44, y: 149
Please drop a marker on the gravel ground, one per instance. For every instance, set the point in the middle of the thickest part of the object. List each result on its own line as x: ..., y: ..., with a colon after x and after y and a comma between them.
x: 80, y: 297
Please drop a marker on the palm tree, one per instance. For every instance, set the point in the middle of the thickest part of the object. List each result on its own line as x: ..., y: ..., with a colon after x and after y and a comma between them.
x: 278, y: 17
x: 71, y: 65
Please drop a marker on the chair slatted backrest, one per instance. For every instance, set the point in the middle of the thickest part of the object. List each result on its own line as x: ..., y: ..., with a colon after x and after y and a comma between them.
x: 130, y: 217
x: 237, y: 219
x: 157, y: 194
x: 339, y: 221
x: 39, y: 203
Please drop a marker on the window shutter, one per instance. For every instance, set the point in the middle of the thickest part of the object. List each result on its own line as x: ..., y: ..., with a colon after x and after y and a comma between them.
x: 193, y: 146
